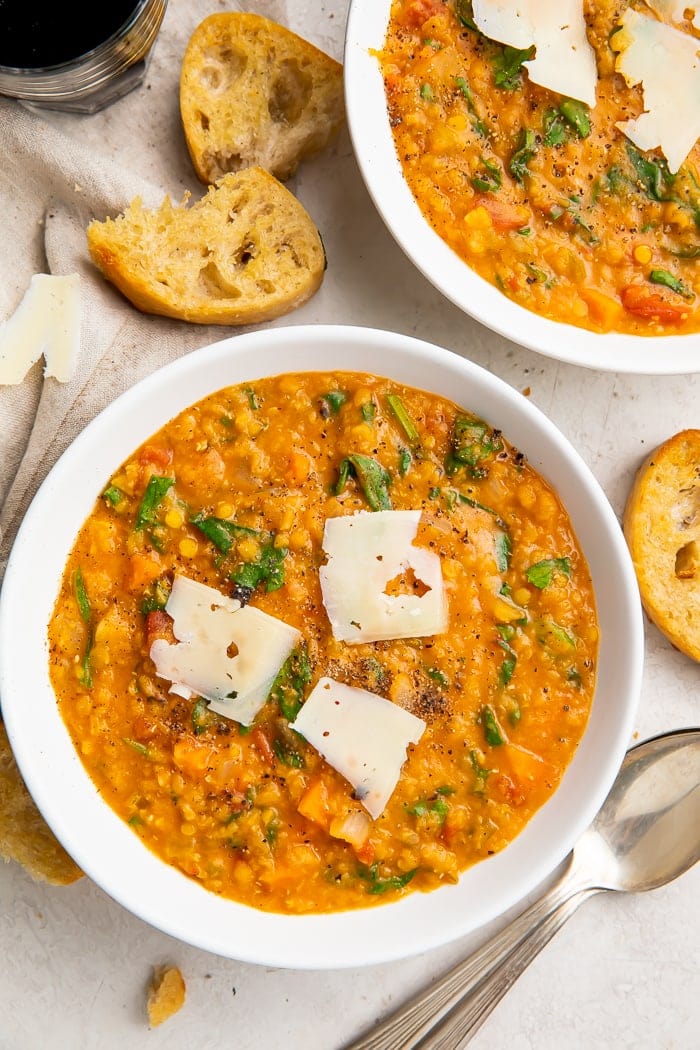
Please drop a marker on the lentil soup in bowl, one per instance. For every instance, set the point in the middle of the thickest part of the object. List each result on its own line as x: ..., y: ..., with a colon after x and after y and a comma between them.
x: 529, y: 210
x: 338, y: 664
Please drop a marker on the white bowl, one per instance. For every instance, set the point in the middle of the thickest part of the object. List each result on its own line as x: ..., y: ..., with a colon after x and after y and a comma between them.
x: 107, y: 849
x: 376, y: 156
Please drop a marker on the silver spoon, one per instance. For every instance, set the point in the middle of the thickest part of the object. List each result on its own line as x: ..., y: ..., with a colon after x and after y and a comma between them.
x: 646, y: 834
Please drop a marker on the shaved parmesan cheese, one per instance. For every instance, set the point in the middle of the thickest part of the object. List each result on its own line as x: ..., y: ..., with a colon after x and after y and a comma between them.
x: 362, y: 735
x: 564, y: 60
x: 47, y: 321
x: 666, y: 63
x: 208, y: 626
x: 674, y: 10
x: 366, y: 551
x: 505, y: 21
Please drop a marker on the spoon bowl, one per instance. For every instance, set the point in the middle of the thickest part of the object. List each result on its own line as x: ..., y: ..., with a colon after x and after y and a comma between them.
x: 649, y: 824
x: 646, y: 834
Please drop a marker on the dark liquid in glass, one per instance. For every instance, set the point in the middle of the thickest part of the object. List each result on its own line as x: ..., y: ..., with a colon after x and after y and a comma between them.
x: 34, y: 35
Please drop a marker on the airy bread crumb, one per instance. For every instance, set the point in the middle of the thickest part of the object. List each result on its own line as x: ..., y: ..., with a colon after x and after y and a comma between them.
x: 166, y: 994
x: 24, y: 835
x: 245, y: 253
x: 254, y: 93
x: 662, y: 528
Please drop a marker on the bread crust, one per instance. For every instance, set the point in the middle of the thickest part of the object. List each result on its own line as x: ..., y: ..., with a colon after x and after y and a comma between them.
x: 662, y: 527
x: 245, y: 253
x: 24, y: 835
x: 254, y: 93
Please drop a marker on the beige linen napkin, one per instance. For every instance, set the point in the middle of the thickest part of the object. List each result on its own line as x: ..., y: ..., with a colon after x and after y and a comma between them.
x: 51, y: 186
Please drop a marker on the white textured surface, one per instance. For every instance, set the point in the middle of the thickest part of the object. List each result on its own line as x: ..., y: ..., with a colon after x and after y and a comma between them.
x: 625, y: 972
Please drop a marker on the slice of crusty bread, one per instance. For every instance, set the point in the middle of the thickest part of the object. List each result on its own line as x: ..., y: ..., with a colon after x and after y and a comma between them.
x: 254, y: 93
x: 662, y: 527
x: 245, y: 253
x: 24, y: 835
x: 166, y: 994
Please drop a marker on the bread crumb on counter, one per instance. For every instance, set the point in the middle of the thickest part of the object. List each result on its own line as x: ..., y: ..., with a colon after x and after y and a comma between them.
x: 166, y: 994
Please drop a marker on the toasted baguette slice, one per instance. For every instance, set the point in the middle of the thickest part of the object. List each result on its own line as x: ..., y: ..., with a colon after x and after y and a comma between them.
x: 662, y: 527
x: 254, y: 93
x: 245, y: 253
x: 166, y: 994
x: 24, y: 835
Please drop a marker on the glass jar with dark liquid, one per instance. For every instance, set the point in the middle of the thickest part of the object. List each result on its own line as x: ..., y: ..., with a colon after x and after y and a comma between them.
x: 77, y: 57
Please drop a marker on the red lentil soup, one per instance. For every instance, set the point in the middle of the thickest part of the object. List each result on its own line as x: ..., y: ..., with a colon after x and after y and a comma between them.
x: 539, y: 195
x: 254, y: 813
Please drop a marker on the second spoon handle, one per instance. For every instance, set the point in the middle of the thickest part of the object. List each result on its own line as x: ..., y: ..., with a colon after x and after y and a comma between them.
x: 404, y: 1029
x: 456, y: 1028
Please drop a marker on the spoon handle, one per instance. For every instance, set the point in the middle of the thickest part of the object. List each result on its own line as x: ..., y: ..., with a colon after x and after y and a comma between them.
x: 405, y: 1028
x: 466, y: 1017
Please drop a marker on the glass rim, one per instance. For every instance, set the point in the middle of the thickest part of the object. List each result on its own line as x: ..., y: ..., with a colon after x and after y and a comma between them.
x: 123, y: 48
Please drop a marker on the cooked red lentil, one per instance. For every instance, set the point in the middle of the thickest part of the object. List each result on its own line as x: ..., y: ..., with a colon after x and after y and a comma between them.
x: 542, y: 197
x: 255, y: 813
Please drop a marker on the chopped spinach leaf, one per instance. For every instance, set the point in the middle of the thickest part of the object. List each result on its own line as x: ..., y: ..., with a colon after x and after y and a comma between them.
x: 220, y: 531
x: 85, y: 669
x: 507, y: 667
x: 488, y: 179
x: 156, y: 490
x: 437, y: 676
x: 202, y: 717
x: 436, y: 807
x: 504, y: 549
x: 113, y: 495
x: 288, y: 687
x: 542, y: 573
x: 667, y: 279
x: 252, y: 398
x: 268, y: 569
x: 572, y: 675
x: 407, y: 425
x: 376, y: 884
x: 465, y: 14
x: 332, y: 402
x: 156, y: 595
x: 81, y: 596
x: 554, y: 129
x: 135, y: 745
x: 427, y: 93
x: 577, y: 115
x: 555, y: 638
x: 287, y: 755
x: 473, y: 442
x: 374, y: 480
x: 526, y: 148
x: 481, y: 773
x: 688, y: 253
x: 368, y: 411
x: 477, y: 123
x: 405, y: 460
x: 582, y: 227
x: 507, y: 66
x: 492, y: 730
x: 652, y: 176
x: 85, y: 610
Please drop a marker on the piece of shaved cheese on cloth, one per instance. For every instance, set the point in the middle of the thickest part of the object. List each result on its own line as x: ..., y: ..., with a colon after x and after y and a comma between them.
x: 564, y: 59
x: 47, y: 321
